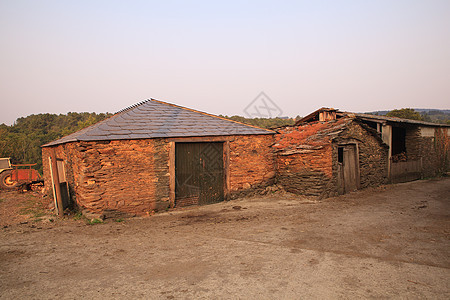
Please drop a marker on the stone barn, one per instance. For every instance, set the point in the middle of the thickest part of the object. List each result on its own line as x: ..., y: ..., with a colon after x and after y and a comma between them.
x: 324, y: 156
x: 156, y: 155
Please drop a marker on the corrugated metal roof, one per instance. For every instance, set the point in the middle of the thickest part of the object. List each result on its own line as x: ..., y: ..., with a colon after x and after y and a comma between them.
x: 157, y: 119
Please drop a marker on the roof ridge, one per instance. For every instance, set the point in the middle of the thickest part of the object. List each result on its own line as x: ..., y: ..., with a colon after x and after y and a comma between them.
x: 207, y: 114
x: 132, y: 106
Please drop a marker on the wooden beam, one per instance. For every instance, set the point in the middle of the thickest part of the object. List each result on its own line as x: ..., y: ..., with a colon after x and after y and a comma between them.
x: 56, y: 182
x: 201, y: 139
x: 172, y: 174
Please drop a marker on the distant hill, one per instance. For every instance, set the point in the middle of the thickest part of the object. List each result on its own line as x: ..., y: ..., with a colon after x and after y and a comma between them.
x: 430, y: 115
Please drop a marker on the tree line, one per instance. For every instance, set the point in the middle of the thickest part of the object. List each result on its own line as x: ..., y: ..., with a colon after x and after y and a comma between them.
x: 434, y: 116
x: 22, y: 141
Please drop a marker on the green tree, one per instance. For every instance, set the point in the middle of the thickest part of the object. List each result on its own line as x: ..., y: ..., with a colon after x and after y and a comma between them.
x: 23, y: 140
x: 405, y: 113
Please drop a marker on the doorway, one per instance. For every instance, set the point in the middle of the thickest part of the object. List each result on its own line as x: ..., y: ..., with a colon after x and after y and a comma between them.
x: 199, y: 173
x: 348, y: 168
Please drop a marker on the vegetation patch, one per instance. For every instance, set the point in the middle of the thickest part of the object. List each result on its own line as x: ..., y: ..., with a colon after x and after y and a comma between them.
x: 33, y: 209
x: 78, y: 216
x: 94, y: 222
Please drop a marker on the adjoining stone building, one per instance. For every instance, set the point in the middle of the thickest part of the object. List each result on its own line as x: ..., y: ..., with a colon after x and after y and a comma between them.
x: 330, y: 152
x: 156, y: 155
x: 417, y: 149
x: 324, y: 156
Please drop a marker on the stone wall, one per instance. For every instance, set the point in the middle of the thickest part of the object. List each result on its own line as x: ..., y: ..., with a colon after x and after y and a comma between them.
x: 251, y: 162
x: 373, y: 156
x: 307, y: 174
x: 434, y: 150
x: 307, y: 156
x: 431, y: 146
x: 304, y: 165
x: 132, y: 176
x: 128, y: 176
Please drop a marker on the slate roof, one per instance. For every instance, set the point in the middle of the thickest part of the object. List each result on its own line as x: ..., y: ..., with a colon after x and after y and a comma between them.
x: 157, y: 119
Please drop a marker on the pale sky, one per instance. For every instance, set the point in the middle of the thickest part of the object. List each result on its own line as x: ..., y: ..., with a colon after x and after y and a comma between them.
x: 217, y: 56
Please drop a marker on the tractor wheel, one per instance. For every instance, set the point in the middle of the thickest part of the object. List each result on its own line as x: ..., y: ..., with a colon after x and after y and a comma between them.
x: 6, y: 181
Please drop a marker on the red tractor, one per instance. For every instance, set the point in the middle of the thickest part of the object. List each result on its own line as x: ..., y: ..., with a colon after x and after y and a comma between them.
x: 12, y: 176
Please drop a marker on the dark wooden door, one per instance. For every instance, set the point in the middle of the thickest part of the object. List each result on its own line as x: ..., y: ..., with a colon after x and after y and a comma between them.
x: 350, y: 168
x: 199, y: 174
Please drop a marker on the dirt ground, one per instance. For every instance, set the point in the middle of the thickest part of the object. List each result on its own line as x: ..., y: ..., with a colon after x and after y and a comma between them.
x: 388, y: 242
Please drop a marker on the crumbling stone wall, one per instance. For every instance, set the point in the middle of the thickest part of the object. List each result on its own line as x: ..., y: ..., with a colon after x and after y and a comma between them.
x: 304, y: 157
x: 251, y: 162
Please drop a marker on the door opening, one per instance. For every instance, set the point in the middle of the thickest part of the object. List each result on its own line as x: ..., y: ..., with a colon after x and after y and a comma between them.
x: 199, y: 173
x: 348, y: 168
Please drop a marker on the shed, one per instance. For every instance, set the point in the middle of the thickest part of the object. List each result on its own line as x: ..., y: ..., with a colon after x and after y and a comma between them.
x: 155, y: 155
x: 417, y: 149
x: 324, y: 156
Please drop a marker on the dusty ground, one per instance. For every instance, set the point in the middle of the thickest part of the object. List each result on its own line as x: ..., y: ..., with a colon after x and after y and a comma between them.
x: 389, y: 242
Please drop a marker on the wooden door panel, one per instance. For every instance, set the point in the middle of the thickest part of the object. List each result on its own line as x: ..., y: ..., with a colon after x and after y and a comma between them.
x: 199, y: 173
